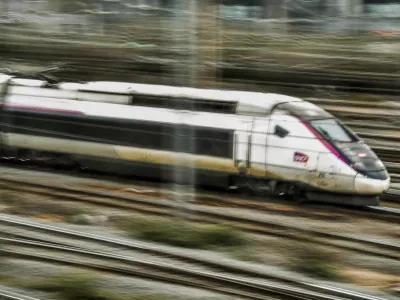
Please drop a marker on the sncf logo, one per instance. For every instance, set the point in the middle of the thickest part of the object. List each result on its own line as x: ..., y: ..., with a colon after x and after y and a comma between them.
x: 300, y: 157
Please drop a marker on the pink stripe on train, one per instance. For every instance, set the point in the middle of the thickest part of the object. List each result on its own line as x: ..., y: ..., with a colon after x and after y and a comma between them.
x: 323, y: 141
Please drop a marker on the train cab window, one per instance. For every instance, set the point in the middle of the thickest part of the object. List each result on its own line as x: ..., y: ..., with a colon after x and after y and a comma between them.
x: 280, y: 131
x: 330, y: 129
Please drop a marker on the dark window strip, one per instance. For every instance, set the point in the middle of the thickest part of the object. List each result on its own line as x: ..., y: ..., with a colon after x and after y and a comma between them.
x: 187, y: 139
x: 185, y: 103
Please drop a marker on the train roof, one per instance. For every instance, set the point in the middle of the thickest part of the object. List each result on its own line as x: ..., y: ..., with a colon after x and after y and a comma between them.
x: 224, y: 101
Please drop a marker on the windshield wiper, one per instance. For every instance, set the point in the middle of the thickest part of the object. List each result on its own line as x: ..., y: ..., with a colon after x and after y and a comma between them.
x: 325, y: 133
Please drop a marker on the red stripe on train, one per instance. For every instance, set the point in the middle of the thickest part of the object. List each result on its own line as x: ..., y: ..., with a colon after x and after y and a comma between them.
x: 323, y: 141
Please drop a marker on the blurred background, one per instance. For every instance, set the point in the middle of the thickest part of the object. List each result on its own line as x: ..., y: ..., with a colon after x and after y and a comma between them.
x: 340, y: 54
x: 207, y: 42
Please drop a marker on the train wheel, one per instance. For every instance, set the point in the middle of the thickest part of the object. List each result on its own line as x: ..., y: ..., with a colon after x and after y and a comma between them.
x: 24, y: 155
x: 9, y: 154
x: 68, y: 163
x: 241, y: 184
x: 260, y: 187
x: 282, y: 189
x: 297, y: 195
x: 290, y: 192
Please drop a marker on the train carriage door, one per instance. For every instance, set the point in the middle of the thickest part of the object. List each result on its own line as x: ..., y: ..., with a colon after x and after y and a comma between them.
x: 4, y: 81
x: 3, y: 91
x: 242, y: 146
x: 279, y: 151
x: 258, y: 150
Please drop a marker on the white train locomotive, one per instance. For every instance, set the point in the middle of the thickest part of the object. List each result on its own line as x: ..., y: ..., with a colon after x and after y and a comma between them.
x: 231, y: 138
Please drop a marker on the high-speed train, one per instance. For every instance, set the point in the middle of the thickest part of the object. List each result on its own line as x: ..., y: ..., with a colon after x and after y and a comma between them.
x: 268, y: 142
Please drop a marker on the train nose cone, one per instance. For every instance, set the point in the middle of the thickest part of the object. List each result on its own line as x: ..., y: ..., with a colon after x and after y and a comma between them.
x: 365, y: 185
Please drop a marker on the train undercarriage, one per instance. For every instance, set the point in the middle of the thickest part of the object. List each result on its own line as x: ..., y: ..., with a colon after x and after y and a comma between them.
x: 259, y: 187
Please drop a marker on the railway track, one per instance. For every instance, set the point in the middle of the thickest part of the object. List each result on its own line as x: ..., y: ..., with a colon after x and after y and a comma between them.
x: 392, y: 195
x: 119, y: 67
x: 391, y: 158
x: 385, y: 210
x: 158, y: 264
x: 108, y: 191
x: 8, y: 295
x: 258, y: 224
x: 310, y: 80
x: 13, y: 182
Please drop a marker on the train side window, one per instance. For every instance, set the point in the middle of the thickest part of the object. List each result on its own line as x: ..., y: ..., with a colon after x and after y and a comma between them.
x: 280, y: 131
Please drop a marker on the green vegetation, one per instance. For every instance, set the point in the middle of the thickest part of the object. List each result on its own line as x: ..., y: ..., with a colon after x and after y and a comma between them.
x: 246, y: 254
x: 316, y: 262
x: 77, y: 286
x: 29, y: 206
x: 182, y: 233
x: 3, y: 257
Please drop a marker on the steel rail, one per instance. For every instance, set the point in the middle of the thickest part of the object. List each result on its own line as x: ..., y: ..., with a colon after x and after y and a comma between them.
x: 296, y: 290
x: 227, y: 284
x: 392, y: 195
x: 16, y: 184
x: 389, y: 154
x: 8, y: 295
x: 167, y: 208
x: 203, y: 214
x: 280, y: 76
x: 386, y: 210
x: 312, y: 85
x: 268, y: 228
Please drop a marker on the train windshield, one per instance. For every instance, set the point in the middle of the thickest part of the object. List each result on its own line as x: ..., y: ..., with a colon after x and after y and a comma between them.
x: 330, y: 129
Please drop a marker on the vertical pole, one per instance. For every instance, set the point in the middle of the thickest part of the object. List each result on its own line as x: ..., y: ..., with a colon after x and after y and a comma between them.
x: 185, y: 27
x: 285, y: 15
x: 193, y: 63
x: 220, y: 44
x: 5, y: 6
x: 192, y: 41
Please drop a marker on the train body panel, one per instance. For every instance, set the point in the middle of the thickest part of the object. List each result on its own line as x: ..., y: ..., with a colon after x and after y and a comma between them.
x: 285, y: 143
x: 302, y: 156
